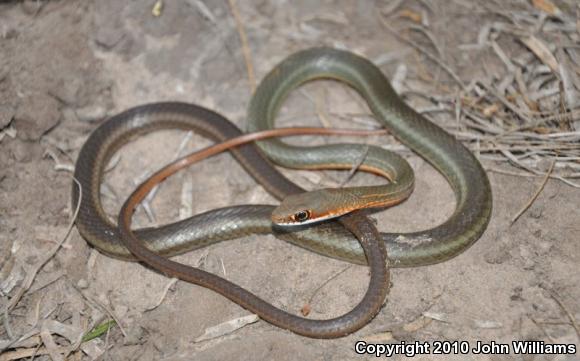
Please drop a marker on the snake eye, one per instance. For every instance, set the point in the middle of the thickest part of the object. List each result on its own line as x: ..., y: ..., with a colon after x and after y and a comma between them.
x: 301, y: 216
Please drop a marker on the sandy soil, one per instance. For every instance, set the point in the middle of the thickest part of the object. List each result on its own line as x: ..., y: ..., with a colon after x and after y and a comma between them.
x: 66, y: 65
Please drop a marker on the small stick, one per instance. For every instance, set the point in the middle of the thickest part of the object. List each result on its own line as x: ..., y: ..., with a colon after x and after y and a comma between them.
x: 540, y: 188
x: 567, y: 312
x: 14, y: 301
x: 306, y: 308
x: 355, y: 167
x: 533, y: 175
x: 170, y: 284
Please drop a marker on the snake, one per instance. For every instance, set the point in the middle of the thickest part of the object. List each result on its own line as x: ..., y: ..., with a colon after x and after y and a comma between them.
x: 451, y: 158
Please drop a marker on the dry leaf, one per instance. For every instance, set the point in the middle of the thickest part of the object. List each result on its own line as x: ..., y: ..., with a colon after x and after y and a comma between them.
x: 227, y: 327
x: 50, y: 344
x: 411, y: 15
x: 546, y: 6
x: 157, y: 8
x: 542, y: 52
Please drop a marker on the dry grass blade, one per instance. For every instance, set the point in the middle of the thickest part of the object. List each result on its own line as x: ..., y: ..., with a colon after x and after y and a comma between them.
x: 428, y: 54
x: 568, y: 313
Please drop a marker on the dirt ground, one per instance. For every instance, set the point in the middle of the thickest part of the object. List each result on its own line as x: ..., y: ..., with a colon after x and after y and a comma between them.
x: 67, y: 65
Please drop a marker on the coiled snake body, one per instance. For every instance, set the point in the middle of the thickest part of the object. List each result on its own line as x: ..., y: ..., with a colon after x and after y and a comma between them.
x: 461, y: 169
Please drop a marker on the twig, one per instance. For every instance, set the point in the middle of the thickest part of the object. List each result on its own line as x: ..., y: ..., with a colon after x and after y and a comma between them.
x: 245, y: 46
x: 540, y: 188
x: 14, y: 301
x: 424, y: 52
x: 567, y: 312
x: 539, y: 326
x: 355, y: 166
x: 326, y: 282
x: 163, y: 295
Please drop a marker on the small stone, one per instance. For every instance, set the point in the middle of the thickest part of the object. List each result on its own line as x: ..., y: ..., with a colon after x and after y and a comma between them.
x: 31, y: 7
x: 25, y: 152
x: 497, y: 256
x: 517, y: 294
x: 91, y: 113
x: 35, y: 116
x: 6, y: 114
x: 108, y: 36
x: 83, y: 284
x: 69, y: 89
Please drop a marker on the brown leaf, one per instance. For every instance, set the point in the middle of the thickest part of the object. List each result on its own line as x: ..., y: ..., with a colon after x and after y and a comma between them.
x: 546, y: 6
x: 411, y: 15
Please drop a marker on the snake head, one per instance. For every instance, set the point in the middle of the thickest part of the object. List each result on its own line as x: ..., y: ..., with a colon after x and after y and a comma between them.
x: 309, y: 207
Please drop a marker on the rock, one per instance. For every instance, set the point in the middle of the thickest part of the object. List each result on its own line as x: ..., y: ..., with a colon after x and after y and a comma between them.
x: 6, y: 114
x: 25, y: 152
x: 36, y: 115
x: 32, y: 7
x: 69, y: 89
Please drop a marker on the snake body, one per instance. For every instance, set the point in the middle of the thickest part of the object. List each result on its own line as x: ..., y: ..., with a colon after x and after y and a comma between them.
x: 449, y: 156
x: 462, y: 170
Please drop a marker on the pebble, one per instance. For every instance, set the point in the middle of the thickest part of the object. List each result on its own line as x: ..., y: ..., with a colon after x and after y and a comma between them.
x: 25, y: 152
x: 6, y: 114
x: 91, y: 113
